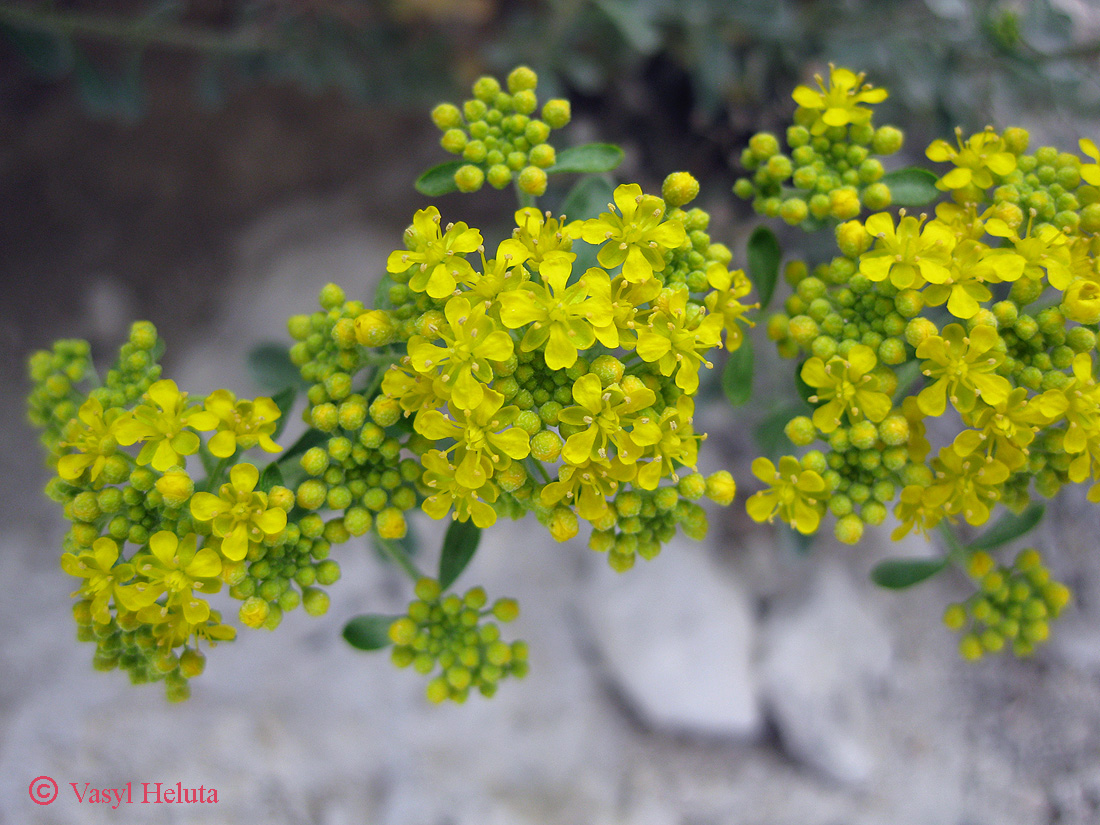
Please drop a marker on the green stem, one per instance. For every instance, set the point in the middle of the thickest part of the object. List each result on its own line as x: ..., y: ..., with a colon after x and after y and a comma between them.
x: 524, y: 198
x: 542, y: 471
x: 139, y: 32
x: 399, y: 557
x: 955, y: 550
x: 215, y: 478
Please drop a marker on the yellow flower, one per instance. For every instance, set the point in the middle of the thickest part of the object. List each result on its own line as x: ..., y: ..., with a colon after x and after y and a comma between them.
x: 915, y: 510
x: 676, y: 338
x: 961, y: 367
x: 670, y: 440
x: 105, y: 579
x: 241, y: 424
x: 1081, y: 301
x: 796, y: 495
x: 973, y: 264
x: 95, y: 441
x: 845, y: 387
x: 410, y: 389
x: 1090, y: 171
x: 448, y: 492
x: 976, y: 161
x: 907, y: 255
x: 626, y: 302
x: 485, y: 439
x: 437, y: 256
x: 604, y: 414
x: 840, y: 101
x: 239, y: 515
x: 160, y: 424
x: 177, y: 568
x: 564, y: 318
x: 1078, y: 402
x: 969, y: 485
x: 462, y: 364
x: 1043, y: 249
x: 503, y: 272
x: 635, y: 236
x: 1002, y: 431
x: 729, y: 288
x: 540, y: 234
x: 588, y: 486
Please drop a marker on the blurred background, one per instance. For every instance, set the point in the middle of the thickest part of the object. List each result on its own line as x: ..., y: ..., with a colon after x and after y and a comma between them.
x: 208, y: 165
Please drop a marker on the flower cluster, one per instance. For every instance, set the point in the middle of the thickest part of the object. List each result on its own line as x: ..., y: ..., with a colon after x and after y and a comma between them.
x: 531, y: 385
x: 498, y: 135
x: 831, y: 171
x: 1013, y: 604
x: 148, y: 543
x: 982, y: 314
x: 482, y: 384
x: 451, y: 632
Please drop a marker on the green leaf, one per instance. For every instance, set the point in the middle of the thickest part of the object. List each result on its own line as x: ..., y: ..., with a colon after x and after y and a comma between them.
x: 459, y: 546
x: 737, y: 376
x: 271, y: 368
x: 898, y: 574
x: 587, y: 199
x: 1008, y: 528
x: 590, y: 158
x: 913, y: 186
x: 369, y: 631
x: 284, y: 400
x: 763, y: 265
x: 270, y: 477
x: 439, y: 180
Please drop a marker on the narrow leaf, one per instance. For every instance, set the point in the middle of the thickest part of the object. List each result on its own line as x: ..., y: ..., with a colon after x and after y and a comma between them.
x: 589, y: 157
x: 763, y: 266
x: 1008, y: 528
x: 459, y: 546
x: 737, y: 376
x: 271, y: 368
x: 587, y: 199
x: 912, y: 186
x: 898, y: 574
x: 439, y: 180
x: 284, y: 400
x: 369, y: 631
x: 270, y: 477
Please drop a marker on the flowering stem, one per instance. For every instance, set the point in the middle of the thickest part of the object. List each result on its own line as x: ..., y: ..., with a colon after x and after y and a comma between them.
x: 399, y: 557
x: 542, y: 471
x: 524, y: 198
x: 955, y: 551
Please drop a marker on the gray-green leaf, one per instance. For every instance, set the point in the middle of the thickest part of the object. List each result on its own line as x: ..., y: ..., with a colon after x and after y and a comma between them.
x: 912, y: 187
x: 369, y: 631
x: 1008, y: 528
x: 439, y: 180
x: 737, y: 376
x: 764, y: 254
x: 459, y: 546
x: 590, y: 158
x: 898, y: 574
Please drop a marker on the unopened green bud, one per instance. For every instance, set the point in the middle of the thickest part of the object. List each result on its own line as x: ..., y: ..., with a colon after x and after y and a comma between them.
x: 679, y: 189
x: 446, y: 116
x: 532, y: 181
x: 557, y: 113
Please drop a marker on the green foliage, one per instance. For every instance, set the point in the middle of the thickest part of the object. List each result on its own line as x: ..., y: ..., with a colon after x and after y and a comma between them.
x: 912, y: 187
x: 1009, y: 527
x: 763, y: 263
x: 897, y: 574
x: 737, y: 375
x: 369, y: 631
x: 459, y: 545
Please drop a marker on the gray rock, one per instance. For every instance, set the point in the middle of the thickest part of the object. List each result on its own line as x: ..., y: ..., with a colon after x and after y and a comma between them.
x: 676, y: 637
x: 821, y: 661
